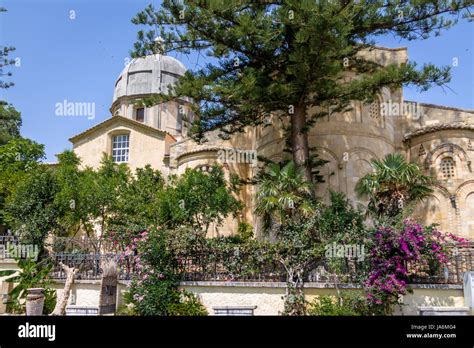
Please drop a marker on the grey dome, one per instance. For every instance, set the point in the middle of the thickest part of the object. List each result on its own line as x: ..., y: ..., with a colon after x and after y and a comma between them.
x: 148, y: 75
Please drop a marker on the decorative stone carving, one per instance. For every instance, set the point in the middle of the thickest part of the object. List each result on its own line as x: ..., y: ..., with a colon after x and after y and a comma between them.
x: 421, y: 151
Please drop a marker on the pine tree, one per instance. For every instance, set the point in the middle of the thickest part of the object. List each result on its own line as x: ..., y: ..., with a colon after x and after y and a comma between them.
x: 4, y: 60
x: 10, y: 118
x: 288, y: 56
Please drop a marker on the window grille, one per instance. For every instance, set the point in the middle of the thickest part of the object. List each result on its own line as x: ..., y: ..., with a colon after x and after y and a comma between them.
x: 234, y: 311
x: 447, y: 168
x: 374, y: 111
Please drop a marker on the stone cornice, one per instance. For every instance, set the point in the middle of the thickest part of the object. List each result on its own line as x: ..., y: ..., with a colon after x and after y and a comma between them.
x: 438, y: 127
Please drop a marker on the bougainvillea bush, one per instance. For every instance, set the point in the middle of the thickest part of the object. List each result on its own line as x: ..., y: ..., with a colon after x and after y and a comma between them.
x: 154, y: 288
x: 398, y: 254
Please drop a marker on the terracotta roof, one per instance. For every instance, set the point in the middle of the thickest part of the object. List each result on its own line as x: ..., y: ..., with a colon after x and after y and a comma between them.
x: 438, y: 127
x: 114, y: 119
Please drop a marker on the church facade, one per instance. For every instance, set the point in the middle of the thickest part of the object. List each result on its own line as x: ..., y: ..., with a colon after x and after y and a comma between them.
x: 440, y: 139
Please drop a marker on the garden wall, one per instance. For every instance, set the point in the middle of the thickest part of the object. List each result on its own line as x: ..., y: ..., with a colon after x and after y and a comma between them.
x: 267, y: 297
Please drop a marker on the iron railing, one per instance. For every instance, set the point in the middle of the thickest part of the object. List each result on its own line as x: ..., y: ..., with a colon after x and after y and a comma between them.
x: 228, y: 267
x: 89, y: 265
x: 460, y: 260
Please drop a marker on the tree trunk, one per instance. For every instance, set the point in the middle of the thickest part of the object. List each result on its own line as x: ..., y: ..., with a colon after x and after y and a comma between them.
x: 299, y: 142
x: 295, y: 303
x: 61, y: 303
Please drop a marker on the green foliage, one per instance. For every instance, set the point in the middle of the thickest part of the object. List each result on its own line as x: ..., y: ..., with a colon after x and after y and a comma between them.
x: 196, y: 199
x: 17, y: 157
x: 347, y: 304
x: 245, y: 231
x: 394, y: 185
x: 288, y: 56
x: 5, y: 61
x: 138, y: 203
x: 285, y: 202
x: 188, y: 305
x: 10, y: 122
x: 283, y: 196
x: 303, y: 227
x: 154, y: 289
x: 341, y: 222
x: 31, y: 275
x: 30, y: 210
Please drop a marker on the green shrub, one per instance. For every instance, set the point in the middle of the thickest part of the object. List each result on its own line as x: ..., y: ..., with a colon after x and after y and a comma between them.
x: 32, y: 275
x: 346, y: 304
x: 188, y: 305
x: 245, y: 231
x: 154, y: 289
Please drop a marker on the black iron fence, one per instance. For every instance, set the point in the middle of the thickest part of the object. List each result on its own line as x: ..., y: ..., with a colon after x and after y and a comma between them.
x: 245, y: 267
x: 460, y: 260
x: 4, y: 240
x: 225, y: 267
x: 89, y: 265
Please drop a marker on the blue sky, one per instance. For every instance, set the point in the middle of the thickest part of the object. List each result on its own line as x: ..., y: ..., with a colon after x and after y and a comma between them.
x: 79, y: 59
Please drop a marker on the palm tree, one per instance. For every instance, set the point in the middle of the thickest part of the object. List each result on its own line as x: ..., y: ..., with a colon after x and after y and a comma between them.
x: 283, y: 194
x: 394, y: 184
x: 286, y: 203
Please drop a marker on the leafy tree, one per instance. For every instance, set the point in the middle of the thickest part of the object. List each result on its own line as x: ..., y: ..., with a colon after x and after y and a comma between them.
x: 98, y: 197
x: 10, y: 122
x: 303, y: 227
x: 287, y: 206
x: 287, y: 57
x: 68, y: 200
x: 30, y: 209
x: 394, y: 185
x: 137, y: 205
x: 340, y: 222
x: 17, y: 158
x: 196, y: 199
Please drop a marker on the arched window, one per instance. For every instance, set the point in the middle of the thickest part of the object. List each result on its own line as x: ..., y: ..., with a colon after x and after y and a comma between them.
x: 447, y: 168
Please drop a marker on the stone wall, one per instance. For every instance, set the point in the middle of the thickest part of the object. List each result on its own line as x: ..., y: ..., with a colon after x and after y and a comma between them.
x: 267, y: 297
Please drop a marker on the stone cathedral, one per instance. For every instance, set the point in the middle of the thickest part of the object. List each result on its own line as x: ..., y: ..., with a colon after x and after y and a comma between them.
x: 440, y: 139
